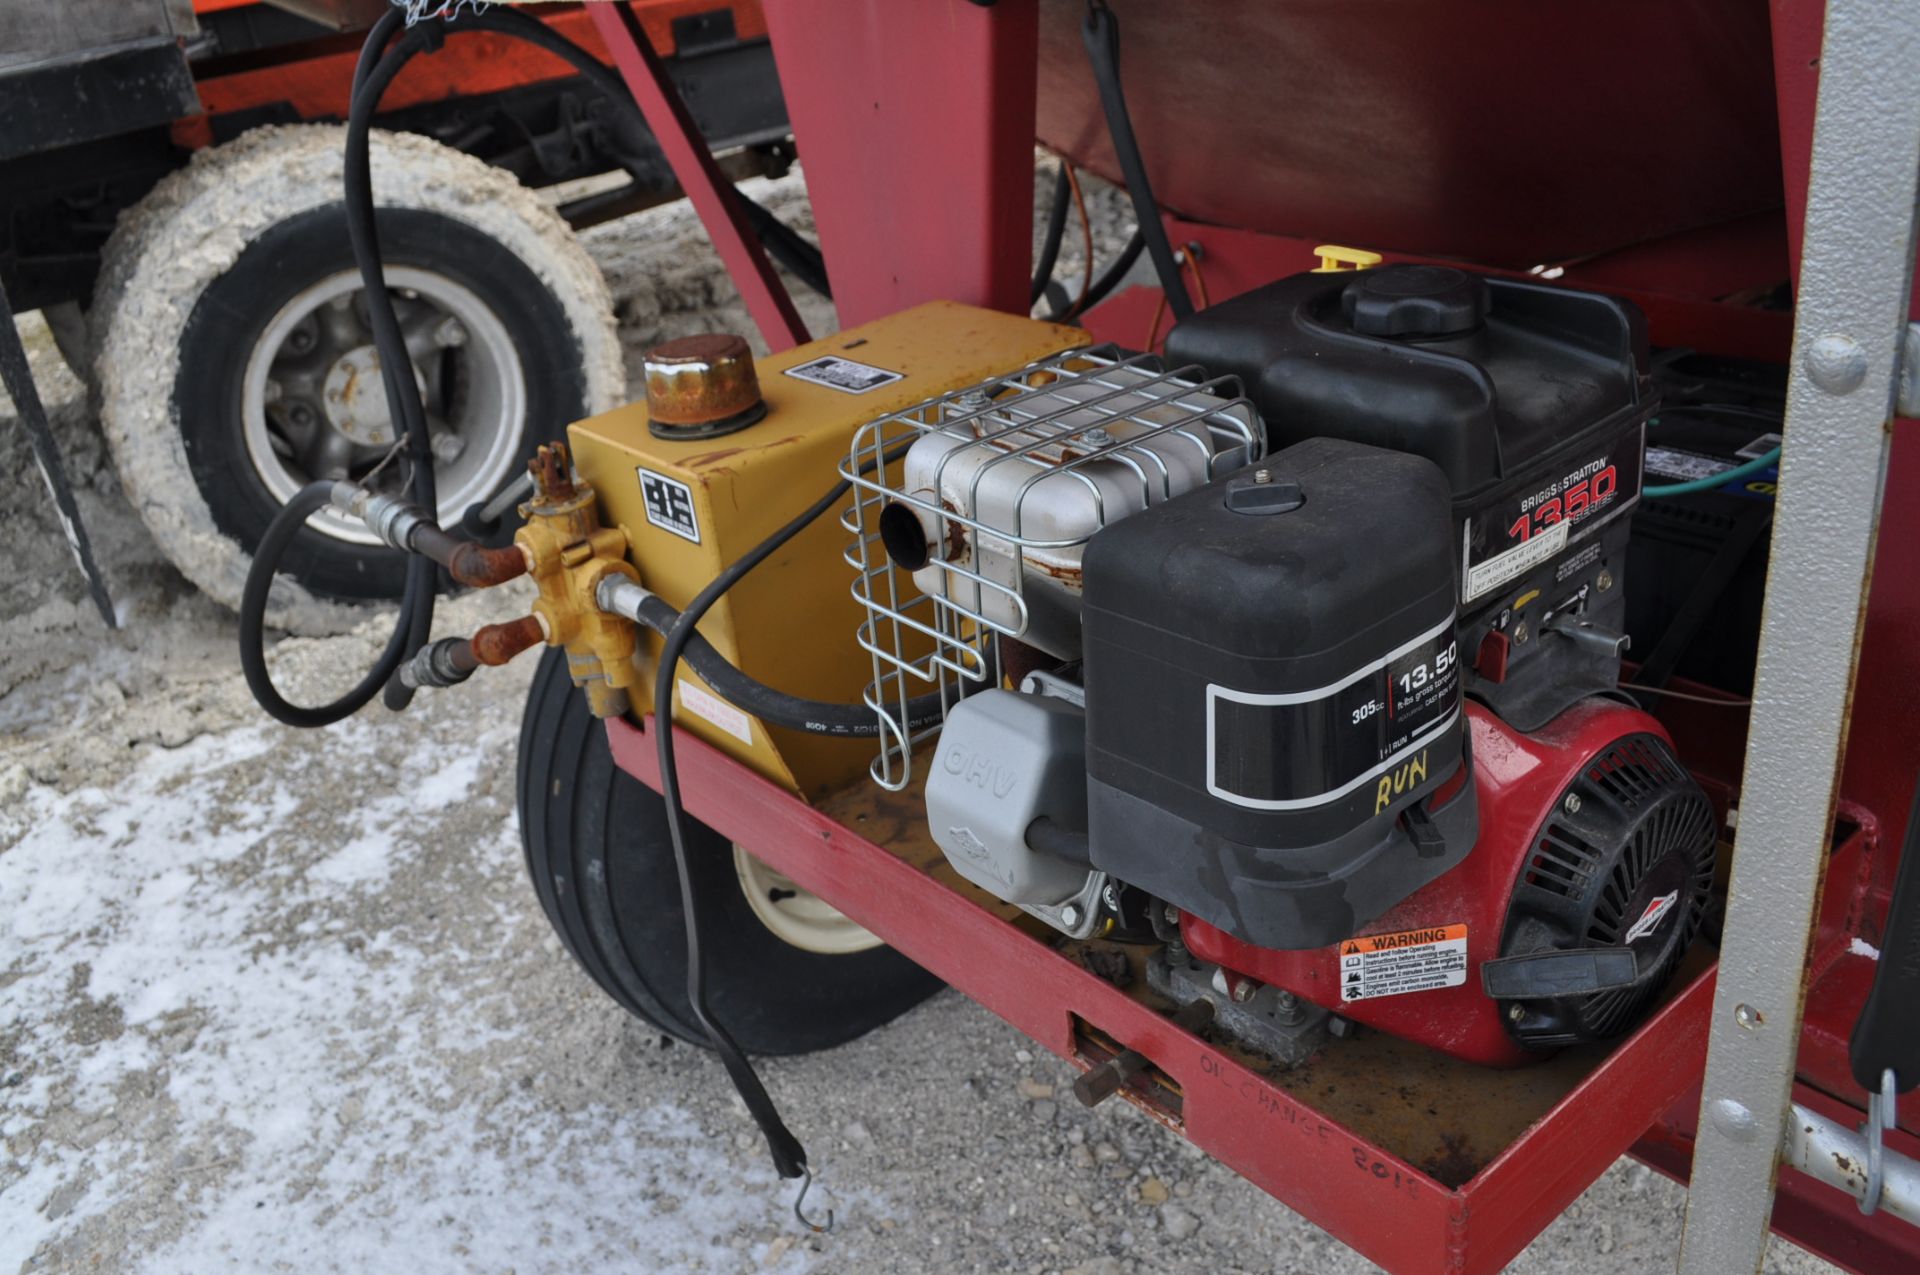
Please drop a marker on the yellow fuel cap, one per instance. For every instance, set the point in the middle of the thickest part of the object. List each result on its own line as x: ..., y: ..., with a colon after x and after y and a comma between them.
x: 1334, y: 258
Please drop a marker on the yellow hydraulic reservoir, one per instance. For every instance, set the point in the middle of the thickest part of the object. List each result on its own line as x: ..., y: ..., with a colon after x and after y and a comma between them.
x: 691, y: 507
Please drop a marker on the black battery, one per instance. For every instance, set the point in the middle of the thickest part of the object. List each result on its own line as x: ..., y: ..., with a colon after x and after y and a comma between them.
x: 1699, y: 559
x: 1531, y: 399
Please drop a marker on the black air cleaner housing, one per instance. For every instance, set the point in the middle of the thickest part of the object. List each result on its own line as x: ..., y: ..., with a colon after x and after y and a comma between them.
x: 1273, y: 693
x: 1531, y: 400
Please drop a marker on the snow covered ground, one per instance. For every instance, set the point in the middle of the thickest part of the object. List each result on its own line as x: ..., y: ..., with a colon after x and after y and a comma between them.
x: 274, y: 1001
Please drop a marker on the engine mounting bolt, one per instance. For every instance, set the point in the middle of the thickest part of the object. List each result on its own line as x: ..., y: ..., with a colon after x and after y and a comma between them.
x: 1244, y: 989
x: 1603, y: 581
x: 1520, y: 634
x: 1572, y: 803
x: 1263, y: 476
x: 1070, y: 915
x: 450, y: 335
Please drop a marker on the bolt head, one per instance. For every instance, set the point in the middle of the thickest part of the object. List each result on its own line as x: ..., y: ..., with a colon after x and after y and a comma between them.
x: 1070, y: 915
x: 1243, y: 990
x: 1572, y: 803
x: 1733, y: 1119
x: 1836, y: 364
x: 1263, y: 476
x: 1603, y: 581
x: 447, y: 447
x: 1748, y: 1017
x: 451, y: 334
x: 1520, y: 634
x: 1516, y: 1012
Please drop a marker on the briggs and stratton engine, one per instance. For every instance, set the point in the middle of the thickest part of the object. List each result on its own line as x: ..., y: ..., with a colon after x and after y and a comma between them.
x: 1319, y: 683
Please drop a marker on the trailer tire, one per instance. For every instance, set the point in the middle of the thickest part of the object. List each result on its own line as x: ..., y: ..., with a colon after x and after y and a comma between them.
x: 597, y: 850
x: 215, y: 291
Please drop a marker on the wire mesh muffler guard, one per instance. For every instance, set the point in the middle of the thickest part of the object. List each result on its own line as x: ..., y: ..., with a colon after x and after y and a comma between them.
x: 970, y: 512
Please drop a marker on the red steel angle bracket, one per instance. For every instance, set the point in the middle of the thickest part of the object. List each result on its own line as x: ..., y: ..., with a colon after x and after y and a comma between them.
x: 712, y: 195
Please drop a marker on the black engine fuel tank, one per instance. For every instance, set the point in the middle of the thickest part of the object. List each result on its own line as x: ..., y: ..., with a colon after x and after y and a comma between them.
x: 1273, y: 688
x: 1531, y: 399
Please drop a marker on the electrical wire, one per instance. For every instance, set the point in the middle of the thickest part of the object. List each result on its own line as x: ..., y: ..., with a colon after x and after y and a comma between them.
x: 1711, y: 481
x: 1633, y: 688
x: 1086, y: 233
x: 1109, y: 278
x: 1189, y: 257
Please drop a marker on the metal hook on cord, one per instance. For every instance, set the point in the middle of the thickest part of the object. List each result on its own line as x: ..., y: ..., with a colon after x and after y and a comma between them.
x: 806, y: 1184
x: 1880, y: 1117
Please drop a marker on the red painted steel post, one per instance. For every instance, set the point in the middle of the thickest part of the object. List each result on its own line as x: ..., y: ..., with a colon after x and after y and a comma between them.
x: 915, y: 123
x: 712, y: 194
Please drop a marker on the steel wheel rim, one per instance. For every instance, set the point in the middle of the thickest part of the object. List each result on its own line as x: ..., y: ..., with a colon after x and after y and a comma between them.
x: 471, y: 377
x: 795, y: 916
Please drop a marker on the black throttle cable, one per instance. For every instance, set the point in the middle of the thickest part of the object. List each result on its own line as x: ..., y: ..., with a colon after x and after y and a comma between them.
x: 1100, y: 32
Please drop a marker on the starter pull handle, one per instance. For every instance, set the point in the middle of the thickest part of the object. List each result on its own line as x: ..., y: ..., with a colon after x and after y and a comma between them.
x: 1575, y: 971
x: 1886, y: 1037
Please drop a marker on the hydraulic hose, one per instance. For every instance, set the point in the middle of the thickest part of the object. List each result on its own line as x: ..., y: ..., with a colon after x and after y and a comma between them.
x: 374, y: 72
x: 815, y: 717
x: 253, y: 624
x: 1050, y: 243
x: 1100, y: 32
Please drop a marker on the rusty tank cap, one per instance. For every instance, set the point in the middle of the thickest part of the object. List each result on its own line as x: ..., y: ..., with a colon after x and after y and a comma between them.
x: 702, y: 387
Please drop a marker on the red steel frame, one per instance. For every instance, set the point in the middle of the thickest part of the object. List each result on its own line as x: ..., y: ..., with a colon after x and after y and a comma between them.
x: 916, y: 121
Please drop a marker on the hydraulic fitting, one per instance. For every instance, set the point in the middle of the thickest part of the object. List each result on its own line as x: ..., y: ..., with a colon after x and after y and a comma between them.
x: 570, y: 555
x: 411, y: 529
x: 447, y: 662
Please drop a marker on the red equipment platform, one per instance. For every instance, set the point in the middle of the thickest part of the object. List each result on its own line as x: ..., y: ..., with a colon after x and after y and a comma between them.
x: 1421, y: 1162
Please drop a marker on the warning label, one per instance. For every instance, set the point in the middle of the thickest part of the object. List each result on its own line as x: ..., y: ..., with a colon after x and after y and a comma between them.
x: 1377, y: 965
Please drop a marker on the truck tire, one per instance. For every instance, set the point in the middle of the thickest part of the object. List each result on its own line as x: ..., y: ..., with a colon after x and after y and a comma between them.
x: 234, y: 363
x: 597, y: 850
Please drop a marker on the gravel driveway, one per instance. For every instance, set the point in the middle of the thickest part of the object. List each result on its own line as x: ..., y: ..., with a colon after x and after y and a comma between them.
x: 274, y: 1001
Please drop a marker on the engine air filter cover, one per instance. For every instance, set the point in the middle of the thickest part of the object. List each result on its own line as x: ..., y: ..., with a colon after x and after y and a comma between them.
x: 1625, y: 859
x: 1270, y: 685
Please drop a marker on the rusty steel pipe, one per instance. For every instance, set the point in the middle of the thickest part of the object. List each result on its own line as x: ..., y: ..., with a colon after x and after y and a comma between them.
x: 495, y: 644
x: 467, y: 561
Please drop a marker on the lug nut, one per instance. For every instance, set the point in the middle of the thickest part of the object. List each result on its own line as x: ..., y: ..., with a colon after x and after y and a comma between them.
x: 447, y: 447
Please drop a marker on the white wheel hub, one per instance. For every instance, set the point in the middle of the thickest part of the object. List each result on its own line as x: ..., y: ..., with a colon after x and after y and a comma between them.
x: 804, y: 920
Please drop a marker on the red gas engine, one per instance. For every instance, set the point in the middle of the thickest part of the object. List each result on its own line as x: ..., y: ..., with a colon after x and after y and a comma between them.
x: 1325, y: 618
